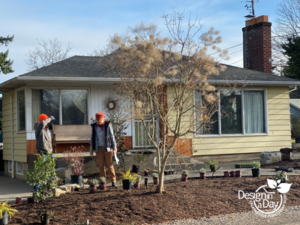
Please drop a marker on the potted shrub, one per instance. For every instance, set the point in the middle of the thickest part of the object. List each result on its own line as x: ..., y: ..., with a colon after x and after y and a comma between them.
x: 147, y: 171
x: 75, y: 160
x: 226, y: 173
x: 184, y: 175
x: 137, y: 183
x: 45, y: 217
x: 18, y: 200
x: 281, y: 176
x: 213, y: 165
x: 166, y: 172
x: 5, y: 211
x: 232, y: 173
x: 256, y: 169
x: 93, y: 185
x: 127, y: 180
x: 155, y: 178
x: 202, y: 174
x: 154, y: 171
x: 238, y: 173
x: 102, y: 185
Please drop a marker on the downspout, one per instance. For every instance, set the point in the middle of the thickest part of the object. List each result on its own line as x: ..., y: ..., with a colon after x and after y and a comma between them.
x: 294, y: 89
x: 12, y: 135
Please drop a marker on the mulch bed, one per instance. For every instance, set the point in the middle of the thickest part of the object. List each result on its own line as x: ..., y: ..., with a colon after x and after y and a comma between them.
x: 193, y: 199
x: 288, y: 163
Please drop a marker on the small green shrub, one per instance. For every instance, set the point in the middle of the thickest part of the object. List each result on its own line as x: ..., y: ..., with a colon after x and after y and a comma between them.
x: 42, y: 177
x: 154, y: 174
x: 185, y: 172
x: 102, y: 179
x: 213, y: 164
x: 281, y: 176
x: 256, y: 164
x: 244, y: 164
x: 93, y: 182
x: 202, y: 170
x: 138, y: 177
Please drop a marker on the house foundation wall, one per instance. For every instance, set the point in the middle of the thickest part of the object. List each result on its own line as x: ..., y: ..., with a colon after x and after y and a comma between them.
x: 16, y: 175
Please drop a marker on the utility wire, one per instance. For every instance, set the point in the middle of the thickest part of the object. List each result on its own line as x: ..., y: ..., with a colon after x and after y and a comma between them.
x: 237, y: 61
x: 225, y: 14
x: 219, y: 12
x: 227, y: 48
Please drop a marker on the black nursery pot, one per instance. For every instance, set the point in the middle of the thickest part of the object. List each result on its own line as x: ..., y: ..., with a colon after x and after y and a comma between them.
x: 255, y: 172
x: 135, y: 169
x: 212, y: 169
x: 76, y: 179
x: 127, y: 184
x: 146, y: 173
x: 166, y: 173
x: 45, y: 219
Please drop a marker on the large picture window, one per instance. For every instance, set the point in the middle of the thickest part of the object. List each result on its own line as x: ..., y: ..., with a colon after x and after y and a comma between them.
x: 67, y: 106
x: 239, y: 112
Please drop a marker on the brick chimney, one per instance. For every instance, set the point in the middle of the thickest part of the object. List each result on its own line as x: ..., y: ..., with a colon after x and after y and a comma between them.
x: 257, y: 44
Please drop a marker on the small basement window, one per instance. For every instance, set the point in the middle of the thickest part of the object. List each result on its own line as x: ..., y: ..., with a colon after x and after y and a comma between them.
x: 20, y: 168
x: 9, y: 166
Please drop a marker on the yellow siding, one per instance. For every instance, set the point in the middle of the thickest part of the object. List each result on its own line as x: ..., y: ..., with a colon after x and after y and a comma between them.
x: 278, y: 124
x: 279, y: 131
x: 20, y: 153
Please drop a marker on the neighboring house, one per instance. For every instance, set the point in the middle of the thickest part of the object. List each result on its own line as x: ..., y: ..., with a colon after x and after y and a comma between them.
x: 74, y: 89
x: 295, y: 107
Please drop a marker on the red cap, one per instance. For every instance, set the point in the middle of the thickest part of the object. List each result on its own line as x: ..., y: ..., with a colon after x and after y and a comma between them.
x: 99, y: 116
x: 43, y: 117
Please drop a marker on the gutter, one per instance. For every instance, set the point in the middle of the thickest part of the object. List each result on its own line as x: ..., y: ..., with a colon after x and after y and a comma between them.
x: 115, y: 79
x: 294, y: 89
x: 12, y: 135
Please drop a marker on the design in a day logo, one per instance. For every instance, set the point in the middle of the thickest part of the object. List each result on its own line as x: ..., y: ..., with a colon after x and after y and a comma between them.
x: 268, y: 200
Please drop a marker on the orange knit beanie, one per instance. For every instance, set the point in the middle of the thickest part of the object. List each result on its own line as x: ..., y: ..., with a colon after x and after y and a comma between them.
x: 43, y: 117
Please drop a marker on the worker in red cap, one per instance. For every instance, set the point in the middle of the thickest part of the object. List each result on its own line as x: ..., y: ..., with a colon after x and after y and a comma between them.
x: 102, y: 142
x: 43, y: 135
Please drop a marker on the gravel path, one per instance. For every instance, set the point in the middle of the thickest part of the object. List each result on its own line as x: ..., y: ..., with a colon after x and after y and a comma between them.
x: 290, y: 216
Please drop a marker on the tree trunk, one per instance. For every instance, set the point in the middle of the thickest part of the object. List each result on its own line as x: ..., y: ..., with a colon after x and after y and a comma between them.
x: 160, y: 187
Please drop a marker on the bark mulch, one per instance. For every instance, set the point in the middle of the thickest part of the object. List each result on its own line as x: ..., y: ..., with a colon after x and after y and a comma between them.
x: 182, y: 200
x: 288, y: 163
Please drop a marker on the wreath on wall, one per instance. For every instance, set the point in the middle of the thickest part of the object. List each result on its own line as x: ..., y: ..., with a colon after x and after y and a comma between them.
x: 111, y: 104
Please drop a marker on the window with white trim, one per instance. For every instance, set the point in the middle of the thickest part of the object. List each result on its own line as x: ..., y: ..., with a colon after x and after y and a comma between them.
x: 240, y: 112
x: 67, y: 106
x: 19, y: 168
x: 21, y: 110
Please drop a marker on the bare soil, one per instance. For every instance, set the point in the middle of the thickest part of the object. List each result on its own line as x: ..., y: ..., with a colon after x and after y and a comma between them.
x: 182, y: 200
x: 288, y: 163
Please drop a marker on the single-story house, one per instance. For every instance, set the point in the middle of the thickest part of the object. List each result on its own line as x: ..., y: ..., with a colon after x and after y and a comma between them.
x: 74, y: 89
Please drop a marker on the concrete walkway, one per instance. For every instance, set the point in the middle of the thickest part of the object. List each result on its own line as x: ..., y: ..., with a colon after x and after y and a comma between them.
x: 12, y: 188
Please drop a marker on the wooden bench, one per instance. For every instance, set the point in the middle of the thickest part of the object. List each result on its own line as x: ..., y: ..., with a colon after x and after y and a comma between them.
x: 65, y: 136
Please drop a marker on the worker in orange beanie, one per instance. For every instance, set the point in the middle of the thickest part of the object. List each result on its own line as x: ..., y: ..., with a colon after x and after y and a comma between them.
x: 103, y: 143
x: 43, y: 135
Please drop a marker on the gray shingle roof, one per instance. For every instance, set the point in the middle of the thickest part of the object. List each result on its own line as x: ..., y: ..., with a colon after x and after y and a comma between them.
x: 93, y: 67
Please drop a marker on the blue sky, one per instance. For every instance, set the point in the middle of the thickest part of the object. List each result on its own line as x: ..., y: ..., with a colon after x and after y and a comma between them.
x: 88, y: 24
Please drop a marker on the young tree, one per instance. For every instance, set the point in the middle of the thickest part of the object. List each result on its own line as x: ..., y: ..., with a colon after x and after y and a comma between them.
x: 5, y: 65
x: 160, y: 77
x: 48, y: 53
x: 292, y: 50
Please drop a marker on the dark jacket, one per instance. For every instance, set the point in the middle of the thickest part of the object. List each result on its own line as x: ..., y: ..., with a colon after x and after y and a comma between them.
x: 110, y: 141
x: 43, y: 136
